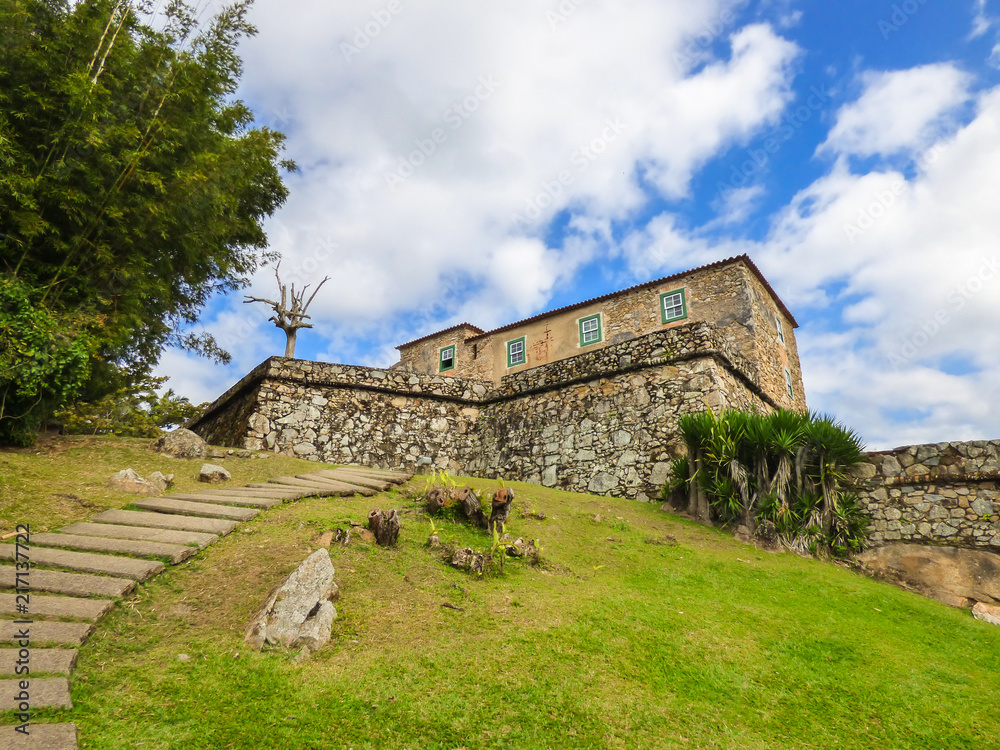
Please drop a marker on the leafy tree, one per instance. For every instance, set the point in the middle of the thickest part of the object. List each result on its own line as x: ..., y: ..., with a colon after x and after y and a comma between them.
x: 131, y: 411
x: 43, y: 362
x: 133, y: 185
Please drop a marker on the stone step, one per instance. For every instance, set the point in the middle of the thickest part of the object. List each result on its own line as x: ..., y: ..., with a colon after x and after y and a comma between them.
x: 57, y: 606
x: 142, y: 534
x: 396, y: 477
x: 204, y: 497
x: 86, y: 562
x: 342, y: 476
x: 308, y: 489
x: 175, y: 552
x: 74, y: 584
x: 270, y: 491
x: 40, y: 660
x: 41, y: 737
x: 326, y: 487
x: 41, y: 631
x: 201, y: 510
x: 47, y: 692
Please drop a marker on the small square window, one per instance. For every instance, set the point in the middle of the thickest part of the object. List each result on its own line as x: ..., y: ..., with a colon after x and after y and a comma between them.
x: 781, y: 329
x: 590, y: 330
x: 447, y: 359
x: 515, y: 352
x: 788, y: 384
x: 673, y: 306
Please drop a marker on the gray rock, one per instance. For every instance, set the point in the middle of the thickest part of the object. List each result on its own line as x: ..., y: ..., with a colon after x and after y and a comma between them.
x: 981, y: 507
x: 661, y: 473
x: 891, y: 467
x: 299, y: 612
x: 161, y: 481
x: 986, y: 613
x: 213, y: 474
x: 181, y: 443
x: 128, y: 481
x: 602, y: 482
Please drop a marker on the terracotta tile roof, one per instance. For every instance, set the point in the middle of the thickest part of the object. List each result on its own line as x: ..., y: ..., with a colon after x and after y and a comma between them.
x: 656, y: 282
x: 645, y: 285
x: 477, y: 329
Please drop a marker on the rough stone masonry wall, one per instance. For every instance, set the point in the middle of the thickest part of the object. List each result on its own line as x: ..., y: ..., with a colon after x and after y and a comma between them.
x: 345, y: 414
x: 604, y: 422
x: 943, y: 493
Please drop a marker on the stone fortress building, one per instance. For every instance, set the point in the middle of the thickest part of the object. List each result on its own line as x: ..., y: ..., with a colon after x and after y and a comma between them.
x: 585, y: 397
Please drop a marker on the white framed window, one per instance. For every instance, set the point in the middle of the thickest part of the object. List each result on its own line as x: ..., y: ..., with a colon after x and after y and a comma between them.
x: 788, y: 384
x: 780, y: 327
x: 590, y: 330
x: 515, y: 352
x: 447, y: 359
x: 673, y: 306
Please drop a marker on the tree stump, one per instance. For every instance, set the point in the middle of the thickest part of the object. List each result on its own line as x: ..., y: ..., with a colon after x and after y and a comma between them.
x: 503, y: 501
x: 436, y: 500
x: 469, y: 500
x: 385, y: 527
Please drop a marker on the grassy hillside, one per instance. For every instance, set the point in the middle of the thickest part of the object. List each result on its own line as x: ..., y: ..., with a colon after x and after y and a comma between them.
x: 63, y: 479
x: 639, y: 631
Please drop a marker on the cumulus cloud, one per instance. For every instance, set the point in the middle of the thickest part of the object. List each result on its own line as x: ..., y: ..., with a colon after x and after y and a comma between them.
x: 898, y: 111
x: 441, y: 142
x: 438, y: 140
x: 899, y: 278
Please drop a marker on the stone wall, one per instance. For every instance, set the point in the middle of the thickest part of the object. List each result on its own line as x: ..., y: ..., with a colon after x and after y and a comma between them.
x: 603, y: 422
x: 942, y: 493
x: 346, y: 414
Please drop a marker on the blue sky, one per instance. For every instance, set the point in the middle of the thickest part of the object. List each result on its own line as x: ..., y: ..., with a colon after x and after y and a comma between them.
x: 487, y: 161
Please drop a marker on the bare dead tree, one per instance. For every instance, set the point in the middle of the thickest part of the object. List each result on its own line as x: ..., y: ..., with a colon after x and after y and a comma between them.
x: 289, y: 320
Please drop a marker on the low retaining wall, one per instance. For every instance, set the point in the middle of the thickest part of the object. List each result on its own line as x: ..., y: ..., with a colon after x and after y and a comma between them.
x: 941, y: 493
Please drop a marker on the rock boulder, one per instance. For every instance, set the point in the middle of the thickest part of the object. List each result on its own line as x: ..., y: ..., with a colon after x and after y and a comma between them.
x: 986, y: 613
x: 161, y: 481
x: 181, y: 443
x: 213, y: 474
x: 128, y: 481
x: 958, y: 577
x: 299, y: 612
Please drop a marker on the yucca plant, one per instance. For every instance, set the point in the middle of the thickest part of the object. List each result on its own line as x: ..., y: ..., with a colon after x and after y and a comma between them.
x: 785, y: 467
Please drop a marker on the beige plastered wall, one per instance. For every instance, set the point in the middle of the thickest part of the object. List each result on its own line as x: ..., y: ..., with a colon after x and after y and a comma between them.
x: 731, y: 297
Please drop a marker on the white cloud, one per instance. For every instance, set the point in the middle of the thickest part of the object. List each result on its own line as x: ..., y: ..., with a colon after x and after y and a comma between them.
x: 981, y: 22
x: 913, y: 355
x: 899, y: 111
x: 423, y: 129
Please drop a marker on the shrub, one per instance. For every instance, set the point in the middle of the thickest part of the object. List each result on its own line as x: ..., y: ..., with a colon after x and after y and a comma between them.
x: 784, y: 467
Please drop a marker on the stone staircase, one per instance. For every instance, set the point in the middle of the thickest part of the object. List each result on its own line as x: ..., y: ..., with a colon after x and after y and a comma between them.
x: 78, y: 573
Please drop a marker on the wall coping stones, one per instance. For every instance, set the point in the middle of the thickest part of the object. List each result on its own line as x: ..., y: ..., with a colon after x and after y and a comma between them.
x: 658, y: 349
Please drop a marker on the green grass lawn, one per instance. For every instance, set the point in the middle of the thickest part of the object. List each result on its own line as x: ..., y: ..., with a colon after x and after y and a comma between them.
x: 640, y: 630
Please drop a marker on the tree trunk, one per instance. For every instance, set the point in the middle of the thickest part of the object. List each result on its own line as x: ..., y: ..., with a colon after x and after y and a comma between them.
x: 384, y: 526
x: 693, y: 485
x: 436, y: 500
x: 469, y: 500
x: 290, y: 342
x: 503, y: 500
